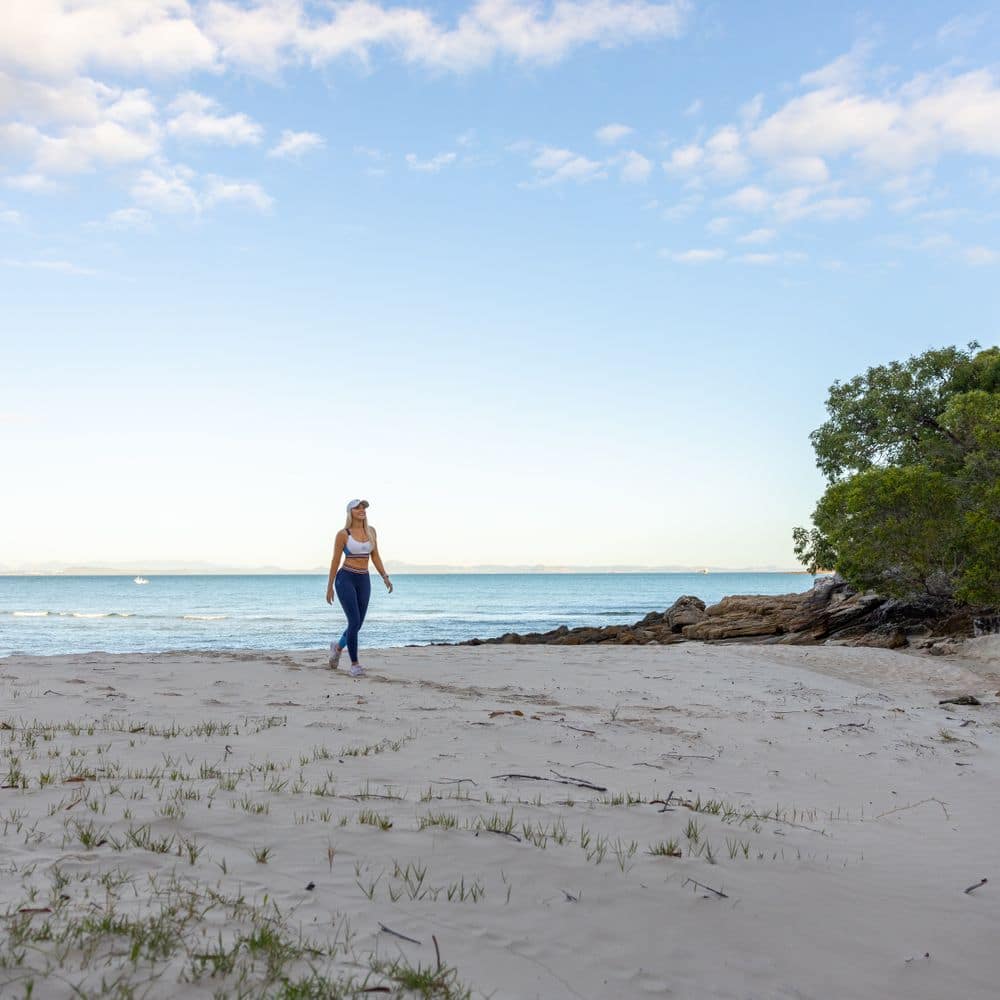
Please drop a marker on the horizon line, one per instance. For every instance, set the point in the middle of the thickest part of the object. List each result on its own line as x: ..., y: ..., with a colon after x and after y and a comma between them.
x: 165, y: 568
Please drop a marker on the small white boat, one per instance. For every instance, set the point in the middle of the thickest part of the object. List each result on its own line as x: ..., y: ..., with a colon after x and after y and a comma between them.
x: 140, y: 579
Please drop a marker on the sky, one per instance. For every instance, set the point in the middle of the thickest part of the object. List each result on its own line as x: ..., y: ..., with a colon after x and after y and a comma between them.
x: 547, y: 283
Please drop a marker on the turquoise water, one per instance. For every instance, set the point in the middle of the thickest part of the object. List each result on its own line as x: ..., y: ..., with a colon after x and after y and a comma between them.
x: 72, y: 614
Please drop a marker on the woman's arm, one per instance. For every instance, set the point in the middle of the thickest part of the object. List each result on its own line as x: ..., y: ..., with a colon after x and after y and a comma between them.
x: 377, y: 560
x: 338, y: 549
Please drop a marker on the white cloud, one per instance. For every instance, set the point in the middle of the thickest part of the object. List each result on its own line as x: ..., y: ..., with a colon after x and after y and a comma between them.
x: 694, y: 108
x: 945, y: 245
x: 295, y: 144
x: 57, y: 118
x: 748, y: 199
x: 635, y: 167
x: 801, y: 202
x: 723, y: 155
x: 558, y: 165
x: 167, y: 189
x: 57, y: 38
x: 720, y: 224
x: 77, y: 126
x: 805, y: 169
x: 65, y: 36
x: 81, y: 101
x: 844, y: 71
x: 760, y: 259
x: 758, y: 236
x: 826, y: 122
x: 219, y: 190
x: 10, y: 217
x: 59, y: 266
x: 197, y: 117
x: 979, y: 256
x: 697, y: 256
x: 610, y: 134
x: 752, y: 110
x: 685, y: 158
x: 33, y: 183
x: 83, y: 148
x: 961, y: 28
x: 431, y: 166
x: 682, y: 209
x: 798, y: 203
x: 274, y: 32
x: 928, y: 117
x: 177, y: 189
x: 129, y: 218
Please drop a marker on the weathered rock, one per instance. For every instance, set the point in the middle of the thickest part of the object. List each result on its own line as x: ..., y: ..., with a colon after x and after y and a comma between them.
x: 830, y: 612
x: 741, y: 617
x: 686, y: 610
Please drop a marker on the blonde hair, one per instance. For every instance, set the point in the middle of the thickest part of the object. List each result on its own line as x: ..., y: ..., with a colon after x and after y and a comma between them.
x: 372, y: 537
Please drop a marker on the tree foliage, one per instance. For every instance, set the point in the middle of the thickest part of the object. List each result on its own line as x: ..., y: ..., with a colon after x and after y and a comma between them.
x: 911, y: 452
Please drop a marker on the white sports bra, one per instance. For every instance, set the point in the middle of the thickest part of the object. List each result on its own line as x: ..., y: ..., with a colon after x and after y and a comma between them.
x: 354, y: 549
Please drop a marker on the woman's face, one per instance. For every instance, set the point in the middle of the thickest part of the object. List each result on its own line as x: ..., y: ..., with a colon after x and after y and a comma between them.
x: 360, y: 511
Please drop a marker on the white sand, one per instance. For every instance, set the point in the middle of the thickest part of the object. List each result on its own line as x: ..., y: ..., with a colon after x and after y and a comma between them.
x: 888, y: 809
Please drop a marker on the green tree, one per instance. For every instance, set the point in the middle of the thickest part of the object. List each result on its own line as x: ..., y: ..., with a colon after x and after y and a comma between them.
x: 911, y: 452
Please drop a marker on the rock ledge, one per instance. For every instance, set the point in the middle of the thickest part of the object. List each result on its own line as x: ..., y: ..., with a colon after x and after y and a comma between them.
x: 830, y: 612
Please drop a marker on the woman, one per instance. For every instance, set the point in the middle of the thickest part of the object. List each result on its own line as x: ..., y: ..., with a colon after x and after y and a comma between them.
x: 357, y: 542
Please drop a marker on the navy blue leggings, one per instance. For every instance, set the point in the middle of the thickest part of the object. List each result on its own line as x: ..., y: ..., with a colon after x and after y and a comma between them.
x: 353, y: 592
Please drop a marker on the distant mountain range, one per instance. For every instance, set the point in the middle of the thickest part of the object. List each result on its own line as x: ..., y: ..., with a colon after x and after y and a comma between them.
x: 189, y: 568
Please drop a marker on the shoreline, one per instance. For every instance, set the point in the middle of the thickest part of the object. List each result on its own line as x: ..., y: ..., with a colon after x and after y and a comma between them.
x: 411, y: 571
x: 826, y: 811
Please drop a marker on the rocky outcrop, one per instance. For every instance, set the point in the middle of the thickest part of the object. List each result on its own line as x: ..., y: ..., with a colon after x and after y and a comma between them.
x: 830, y: 612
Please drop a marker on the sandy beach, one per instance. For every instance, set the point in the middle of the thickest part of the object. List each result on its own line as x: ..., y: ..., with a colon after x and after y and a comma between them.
x: 691, y: 821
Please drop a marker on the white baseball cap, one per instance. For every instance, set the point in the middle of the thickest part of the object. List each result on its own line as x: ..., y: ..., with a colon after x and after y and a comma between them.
x: 356, y: 503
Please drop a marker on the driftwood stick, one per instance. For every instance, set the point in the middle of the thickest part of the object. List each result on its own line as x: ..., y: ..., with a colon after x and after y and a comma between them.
x: 667, y: 807
x: 701, y: 885
x: 437, y: 951
x: 560, y: 780
x: 502, y: 833
x: 913, y: 805
x: 583, y: 783
x: 580, y: 763
x: 453, y: 781
x: 403, y: 937
x: 973, y: 888
x: 589, y: 732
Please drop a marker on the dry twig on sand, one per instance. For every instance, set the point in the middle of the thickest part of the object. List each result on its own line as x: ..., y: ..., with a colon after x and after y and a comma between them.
x: 403, y: 937
x: 913, y: 805
x: 560, y: 779
x: 701, y: 885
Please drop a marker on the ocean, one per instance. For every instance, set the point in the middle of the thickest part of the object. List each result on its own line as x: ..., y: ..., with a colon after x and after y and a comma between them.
x: 74, y: 614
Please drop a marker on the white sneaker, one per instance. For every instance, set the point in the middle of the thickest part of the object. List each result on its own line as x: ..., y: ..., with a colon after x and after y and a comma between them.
x: 335, y: 652
x: 357, y: 670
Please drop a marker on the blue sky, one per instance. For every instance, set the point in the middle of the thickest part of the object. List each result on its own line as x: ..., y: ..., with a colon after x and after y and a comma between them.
x: 558, y: 284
